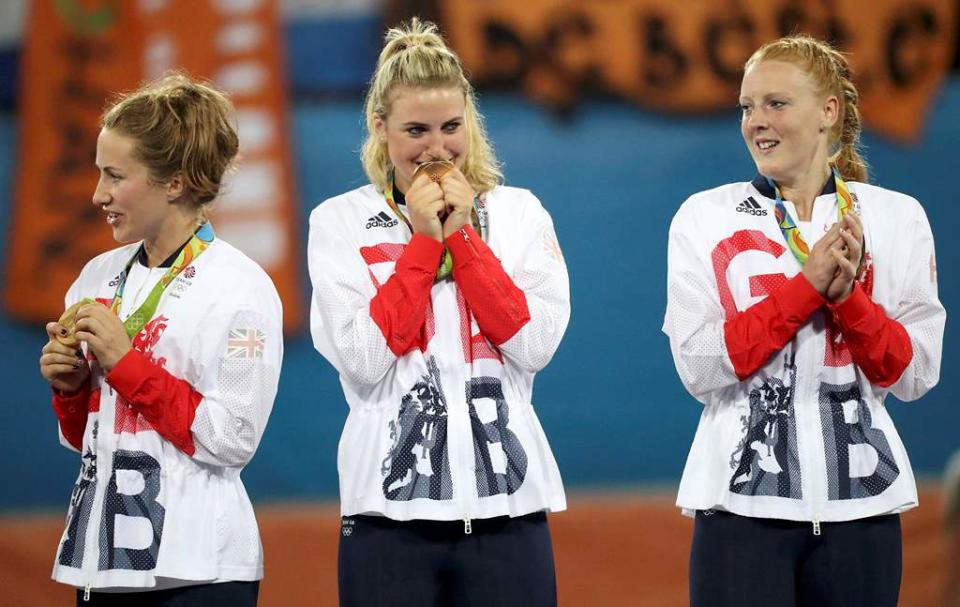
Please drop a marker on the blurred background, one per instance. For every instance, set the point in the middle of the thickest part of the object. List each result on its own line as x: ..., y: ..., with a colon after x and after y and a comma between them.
x: 611, y: 112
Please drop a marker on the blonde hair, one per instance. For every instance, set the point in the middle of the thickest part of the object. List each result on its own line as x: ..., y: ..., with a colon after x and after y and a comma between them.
x: 830, y: 70
x: 415, y: 55
x: 179, y: 126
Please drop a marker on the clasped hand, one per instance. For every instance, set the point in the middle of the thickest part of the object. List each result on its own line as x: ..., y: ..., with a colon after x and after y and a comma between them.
x: 65, y: 367
x: 439, y: 210
x: 835, y: 259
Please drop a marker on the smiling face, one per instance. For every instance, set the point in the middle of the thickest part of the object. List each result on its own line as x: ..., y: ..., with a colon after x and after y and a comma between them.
x: 786, y: 121
x: 137, y: 208
x: 423, y: 124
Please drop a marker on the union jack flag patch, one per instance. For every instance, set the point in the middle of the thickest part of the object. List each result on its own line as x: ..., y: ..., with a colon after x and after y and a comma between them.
x: 246, y: 343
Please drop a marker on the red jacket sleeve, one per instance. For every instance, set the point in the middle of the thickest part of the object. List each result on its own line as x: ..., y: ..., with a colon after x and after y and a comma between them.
x: 879, y: 345
x: 167, y: 402
x: 755, y: 334
x: 399, y: 307
x: 499, y: 306
x: 71, y: 411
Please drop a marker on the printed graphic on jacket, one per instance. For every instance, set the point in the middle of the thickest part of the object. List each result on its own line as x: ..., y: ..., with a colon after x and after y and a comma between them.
x: 81, y: 502
x: 475, y: 345
x: 765, y: 461
x: 127, y: 418
x: 418, y: 464
x: 501, y: 462
x: 859, y: 459
x: 130, y: 503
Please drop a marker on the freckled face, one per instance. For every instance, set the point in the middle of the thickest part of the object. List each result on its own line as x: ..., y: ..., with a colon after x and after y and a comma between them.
x: 786, y: 120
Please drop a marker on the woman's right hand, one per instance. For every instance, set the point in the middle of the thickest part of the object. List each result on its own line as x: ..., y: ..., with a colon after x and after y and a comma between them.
x: 425, y: 203
x: 821, y: 266
x: 64, y: 367
x: 849, y: 258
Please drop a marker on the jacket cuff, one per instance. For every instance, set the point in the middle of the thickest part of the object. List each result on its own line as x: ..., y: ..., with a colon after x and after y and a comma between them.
x: 71, y: 411
x: 465, y: 245
x: 70, y: 405
x: 797, y: 300
x: 423, y: 253
x: 129, y: 374
x: 855, y: 308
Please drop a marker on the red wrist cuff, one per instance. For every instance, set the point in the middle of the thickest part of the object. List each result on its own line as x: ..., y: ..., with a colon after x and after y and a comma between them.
x: 797, y: 299
x: 853, y: 309
x: 464, y: 245
x: 423, y: 253
x: 127, y: 374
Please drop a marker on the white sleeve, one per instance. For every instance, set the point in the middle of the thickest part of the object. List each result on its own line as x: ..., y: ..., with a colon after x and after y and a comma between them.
x: 694, y: 318
x: 340, y: 323
x: 542, y: 276
x: 242, y: 352
x: 920, y: 313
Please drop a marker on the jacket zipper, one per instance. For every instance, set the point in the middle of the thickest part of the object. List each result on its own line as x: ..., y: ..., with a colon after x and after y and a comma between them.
x: 104, y: 470
x: 816, y: 460
x: 457, y: 417
x: 464, y: 504
x: 499, y: 288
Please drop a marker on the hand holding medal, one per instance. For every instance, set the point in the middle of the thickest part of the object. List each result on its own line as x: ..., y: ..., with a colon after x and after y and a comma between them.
x: 62, y: 362
x: 68, y: 322
x: 425, y: 200
x: 104, y: 333
x: 458, y: 196
x: 435, y: 170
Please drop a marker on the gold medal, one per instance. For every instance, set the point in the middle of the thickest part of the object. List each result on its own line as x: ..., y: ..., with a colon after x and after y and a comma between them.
x: 434, y: 169
x: 68, y: 320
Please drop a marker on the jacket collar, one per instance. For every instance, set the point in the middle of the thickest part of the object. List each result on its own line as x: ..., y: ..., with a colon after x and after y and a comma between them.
x: 760, y: 183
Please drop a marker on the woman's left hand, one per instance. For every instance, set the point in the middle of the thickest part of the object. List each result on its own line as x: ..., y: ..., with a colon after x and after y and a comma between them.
x: 853, y: 227
x: 104, y: 333
x: 848, y: 259
x: 458, y: 196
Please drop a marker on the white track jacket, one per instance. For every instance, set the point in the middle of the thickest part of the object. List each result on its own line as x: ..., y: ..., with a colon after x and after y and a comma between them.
x: 794, y: 424
x: 163, y: 437
x: 439, y: 377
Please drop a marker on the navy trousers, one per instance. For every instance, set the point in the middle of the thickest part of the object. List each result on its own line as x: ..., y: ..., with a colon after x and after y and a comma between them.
x: 505, y: 561
x: 226, y: 594
x: 753, y: 562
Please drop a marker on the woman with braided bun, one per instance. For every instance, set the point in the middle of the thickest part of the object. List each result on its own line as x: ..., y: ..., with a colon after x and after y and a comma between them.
x: 796, y: 302
x: 165, y: 367
x: 437, y: 296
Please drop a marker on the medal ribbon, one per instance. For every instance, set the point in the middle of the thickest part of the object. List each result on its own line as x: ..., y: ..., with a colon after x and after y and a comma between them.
x: 791, y: 232
x: 197, y: 244
x: 446, y: 263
